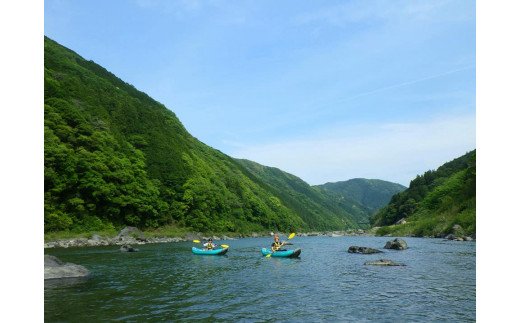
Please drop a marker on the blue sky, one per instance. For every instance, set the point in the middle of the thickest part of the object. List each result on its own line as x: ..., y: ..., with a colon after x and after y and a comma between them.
x: 326, y: 90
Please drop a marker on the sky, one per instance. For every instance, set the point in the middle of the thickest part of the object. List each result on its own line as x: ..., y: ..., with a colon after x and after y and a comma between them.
x: 325, y: 90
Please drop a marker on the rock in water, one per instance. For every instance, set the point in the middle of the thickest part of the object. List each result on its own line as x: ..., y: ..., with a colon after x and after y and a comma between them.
x: 128, y: 248
x: 55, y: 268
x: 363, y: 250
x: 383, y: 262
x: 397, y: 244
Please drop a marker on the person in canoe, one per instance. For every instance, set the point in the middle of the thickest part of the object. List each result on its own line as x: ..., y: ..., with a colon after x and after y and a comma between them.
x: 209, y: 245
x: 277, y: 244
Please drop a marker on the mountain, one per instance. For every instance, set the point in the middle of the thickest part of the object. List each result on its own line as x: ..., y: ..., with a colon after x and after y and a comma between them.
x: 114, y: 156
x: 364, y: 194
x: 434, y: 202
x: 313, y: 205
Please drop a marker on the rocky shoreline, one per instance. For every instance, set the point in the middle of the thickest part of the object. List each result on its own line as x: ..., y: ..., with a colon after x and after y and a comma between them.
x: 133, y: 236
x: 97, y: 241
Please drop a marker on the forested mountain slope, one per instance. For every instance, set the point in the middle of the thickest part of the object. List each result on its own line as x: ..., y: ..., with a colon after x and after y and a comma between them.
x: 435, y: 202
x: 114, y: 156
x: 313, y: 205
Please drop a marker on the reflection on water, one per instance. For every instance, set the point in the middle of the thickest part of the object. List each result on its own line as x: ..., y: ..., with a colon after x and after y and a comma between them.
x: 168, y: 282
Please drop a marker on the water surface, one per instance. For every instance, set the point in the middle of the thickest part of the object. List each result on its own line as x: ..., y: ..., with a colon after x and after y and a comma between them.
x: 166, y: 282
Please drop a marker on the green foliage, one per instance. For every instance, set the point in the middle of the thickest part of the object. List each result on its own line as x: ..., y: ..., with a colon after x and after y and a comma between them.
x: 115, y: 157
x: 361, y: 197
x: 434, y: 202
x: 318, y: 210
x: 371, y: 193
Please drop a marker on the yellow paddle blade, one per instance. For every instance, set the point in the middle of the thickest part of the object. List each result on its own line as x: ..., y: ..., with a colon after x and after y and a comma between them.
x: 196, y: 241
x: 268, y: 255
x: 291, y: 236
x: 224, y: 246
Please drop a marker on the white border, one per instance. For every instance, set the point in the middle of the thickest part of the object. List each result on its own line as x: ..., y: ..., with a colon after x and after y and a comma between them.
x: 21, y: 162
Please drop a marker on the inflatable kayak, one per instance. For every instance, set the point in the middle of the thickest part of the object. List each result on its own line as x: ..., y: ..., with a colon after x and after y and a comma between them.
x: 214, y: 252
x: 282, y: 253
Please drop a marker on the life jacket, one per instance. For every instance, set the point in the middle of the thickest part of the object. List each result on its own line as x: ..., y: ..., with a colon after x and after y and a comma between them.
x: 276, y: 245
x: 209, y: 245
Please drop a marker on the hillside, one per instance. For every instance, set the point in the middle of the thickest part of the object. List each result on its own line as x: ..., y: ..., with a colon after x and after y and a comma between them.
x: 366, y: 195
x: 434, y: 202
x: 114, y: 156
x: 312, y: 204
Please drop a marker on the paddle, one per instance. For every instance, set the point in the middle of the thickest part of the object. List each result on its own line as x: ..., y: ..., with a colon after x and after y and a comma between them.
x: 222, y: 245
x: 283, y: 243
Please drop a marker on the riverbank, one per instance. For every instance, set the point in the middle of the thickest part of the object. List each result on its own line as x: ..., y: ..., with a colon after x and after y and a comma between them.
x: 133, y: 236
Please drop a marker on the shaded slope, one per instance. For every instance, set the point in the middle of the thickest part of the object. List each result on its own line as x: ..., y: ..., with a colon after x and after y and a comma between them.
x: 316, y: 208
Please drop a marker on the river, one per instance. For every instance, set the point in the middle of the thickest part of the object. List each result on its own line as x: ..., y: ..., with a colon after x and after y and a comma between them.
x: 166, y: 282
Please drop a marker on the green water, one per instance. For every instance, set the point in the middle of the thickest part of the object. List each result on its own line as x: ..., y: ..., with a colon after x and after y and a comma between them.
x: 166, y: 282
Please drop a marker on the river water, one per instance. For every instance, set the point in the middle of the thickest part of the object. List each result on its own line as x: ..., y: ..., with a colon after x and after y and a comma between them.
x: 166, y: 282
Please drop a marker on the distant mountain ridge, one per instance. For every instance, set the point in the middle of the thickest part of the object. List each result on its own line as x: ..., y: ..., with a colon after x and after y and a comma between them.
x: 371, y: 193
x: 310, y: 202
x: 361, y: 196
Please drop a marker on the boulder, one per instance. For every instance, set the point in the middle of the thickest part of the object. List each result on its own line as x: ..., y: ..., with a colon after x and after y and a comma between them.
x: 363, y: 250
x: 402, y: 221
x: 397, y: 244
x: 95, y: 237
x: 52, y: 261
x: 191, y: 236
x: 456, y: 228
x: 383, y: 262
x: 129, y: 233
x: 450, y: 237
x: 54, y: 268
x: 128, y: 248
x: 468, y: 239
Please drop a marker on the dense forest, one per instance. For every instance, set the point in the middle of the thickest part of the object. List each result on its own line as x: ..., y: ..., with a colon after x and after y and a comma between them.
x: 434, y: 202
x: 361, y: 197
x: 312, y: 204
x: 114, y: 157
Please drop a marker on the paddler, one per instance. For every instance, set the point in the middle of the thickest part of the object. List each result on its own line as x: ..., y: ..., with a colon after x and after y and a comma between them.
x: 277, y: 244
x: 209, y: 245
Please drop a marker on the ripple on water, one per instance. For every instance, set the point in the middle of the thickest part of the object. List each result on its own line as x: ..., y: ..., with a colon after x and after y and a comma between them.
x: 168, y: 282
